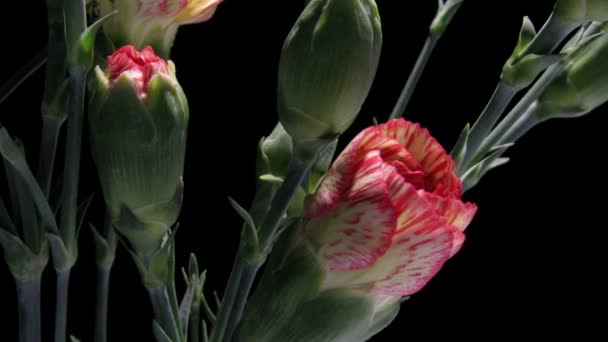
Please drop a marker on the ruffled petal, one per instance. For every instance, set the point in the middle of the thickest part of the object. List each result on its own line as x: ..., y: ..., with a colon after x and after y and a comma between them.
x: 419, y: 248
x: 415, y: 256
x: 438, y: 166
x: 356, y: 232
x: 339, y: 177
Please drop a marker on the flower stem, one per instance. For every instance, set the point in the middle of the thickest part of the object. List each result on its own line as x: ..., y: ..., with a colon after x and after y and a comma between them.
x: 496, y: 106
x: 48, y: 148
x: 61, y: 304
x: 498, y: 134
x: 163, y: 312
x: 526, y: 122
x: 55, y: 69
x: 28, y: 297
x: 412, y: 81
x: 244, y: 271
x: 101, y: 303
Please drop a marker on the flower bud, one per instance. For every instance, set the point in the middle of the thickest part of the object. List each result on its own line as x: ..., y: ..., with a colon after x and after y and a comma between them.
x: 582, y: 86
x: 138, y: 120
x: 327, y: 67
x: 153, y: 22
x: 383, y: 221
x: 582, y: 11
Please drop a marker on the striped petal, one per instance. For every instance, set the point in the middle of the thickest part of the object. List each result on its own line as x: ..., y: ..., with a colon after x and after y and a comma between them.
x: 419, y: 248
x: 340, y: 176
x: 356, y: 232
x: 415, y: 256
x: 458, y: 216
x: 438, y: 166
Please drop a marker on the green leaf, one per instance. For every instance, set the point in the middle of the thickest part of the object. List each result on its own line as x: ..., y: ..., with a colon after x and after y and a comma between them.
x: 251, y: 231
x: 83, y: 52
x: 21, y: 260
x: 526, y: 36
x: 11, y: 153
x: 186, y: 306
x: 460, y: 149
x: 22, y: 74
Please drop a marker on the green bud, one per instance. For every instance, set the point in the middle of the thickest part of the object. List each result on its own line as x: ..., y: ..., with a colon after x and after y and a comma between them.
x: 327, y: 67
x: 582, y: 86
x: 582, y: 11
x: 445, y: 13
x: 275, y: 153
x: 138, y: 120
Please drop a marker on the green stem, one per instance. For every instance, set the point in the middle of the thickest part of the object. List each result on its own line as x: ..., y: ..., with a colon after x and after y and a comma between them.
x: 247, y: 278
x: 243, y: 272
x: 28, y: 298
x: 412, y: 81
x: 507, y: 123
x: 526, y: 122
x: 61, y: 305
x: 496, y: 106
x: 56, y: 68
x: 101, y: 304
x: 22, y: 74
x: 163, y: 312
x: 69, y: 204
x: 194, y: 322
x: 51, y: 127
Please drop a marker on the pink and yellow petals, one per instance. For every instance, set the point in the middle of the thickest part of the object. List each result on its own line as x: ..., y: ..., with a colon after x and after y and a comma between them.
x: 388, y: 213
x: 138, y: 66
x: 181, y: 11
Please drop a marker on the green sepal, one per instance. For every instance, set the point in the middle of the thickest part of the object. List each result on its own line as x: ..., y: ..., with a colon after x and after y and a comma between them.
x: 527, y: 69
x: 64, y: 257
x: 527, y: 33
x: 334, y: 316
x: 155, y: 267
x: 22, y: 261
x: 105, y: 247
x: 283, y: 287
x: 383, y: 319
x: 520, y: 71
x: 445, y: 13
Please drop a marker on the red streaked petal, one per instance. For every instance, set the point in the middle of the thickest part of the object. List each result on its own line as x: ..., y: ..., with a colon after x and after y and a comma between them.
x: 438, y: 166
x: 456, y: 213
x: 339, y: 177
x: 414, y: 258
x: 356, y: 232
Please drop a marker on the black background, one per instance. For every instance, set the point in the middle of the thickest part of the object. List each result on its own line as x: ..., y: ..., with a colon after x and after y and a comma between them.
x: 534, y: 260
